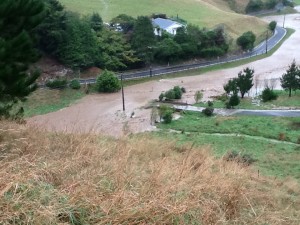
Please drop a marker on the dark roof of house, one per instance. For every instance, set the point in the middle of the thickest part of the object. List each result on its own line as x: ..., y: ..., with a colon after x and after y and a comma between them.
x: 163, y: 23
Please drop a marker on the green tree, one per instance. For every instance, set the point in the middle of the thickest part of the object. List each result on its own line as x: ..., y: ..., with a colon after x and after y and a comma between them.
x: 245, y: 81
x: 231, y: 86
x: 143, y: 38
x: 79, y: 47
x: 96, y: 22
x: 167, y: 50
x: 272, y: 25
x: 291, y: 79
x: 254, y: 6
x: 114, y: 56
x: 17, y: 80
x: 108, y: 82
x: 125, y: 21
x: 246, y: 40
x: 51, y: 31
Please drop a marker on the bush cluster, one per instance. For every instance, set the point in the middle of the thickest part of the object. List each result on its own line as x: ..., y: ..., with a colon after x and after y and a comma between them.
x: 165, y: 113
x: 234, y: 100
x: 57, y: 83
x: 268, y: 95
x: 108, y: 82
x: 174, y: 93
x: 75, y: 84
x: 245, y: 159
x: 208, y: 111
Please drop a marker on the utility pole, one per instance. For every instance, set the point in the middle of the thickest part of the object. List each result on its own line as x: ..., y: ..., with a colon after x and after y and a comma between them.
x: 283, y: 20
x: 123, y: 100
x: 267, y: 41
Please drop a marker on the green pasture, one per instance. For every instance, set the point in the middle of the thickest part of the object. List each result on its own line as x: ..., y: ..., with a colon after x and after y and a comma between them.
x: 193, y: 11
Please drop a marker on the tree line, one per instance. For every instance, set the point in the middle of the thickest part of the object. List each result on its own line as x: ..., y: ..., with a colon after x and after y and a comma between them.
x: 127, y: 42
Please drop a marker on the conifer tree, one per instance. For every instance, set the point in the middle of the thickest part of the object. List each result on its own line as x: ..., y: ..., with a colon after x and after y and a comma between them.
x: 17, y: 20
x: 291, y: 79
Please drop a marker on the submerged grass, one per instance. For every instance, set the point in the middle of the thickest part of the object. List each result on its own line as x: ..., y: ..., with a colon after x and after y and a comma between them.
x: 283, y: 101
x: 52, y: 178
x: 46, y: 100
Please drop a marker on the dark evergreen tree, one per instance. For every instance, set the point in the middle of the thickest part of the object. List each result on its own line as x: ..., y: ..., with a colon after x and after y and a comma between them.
x: 245, y: 81
x: 231, y: 86
x: 291, y: 79
x: 17, y: 81
x: 143, y: 38
x: 96, y: 22
x: 51, y: 32
x: 79, y: 47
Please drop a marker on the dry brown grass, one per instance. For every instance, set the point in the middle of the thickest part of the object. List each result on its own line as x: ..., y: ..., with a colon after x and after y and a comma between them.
x: 87, y: 179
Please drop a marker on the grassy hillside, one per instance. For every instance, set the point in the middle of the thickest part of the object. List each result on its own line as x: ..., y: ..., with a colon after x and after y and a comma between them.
x: 202, y: 13
x: 71, y: 179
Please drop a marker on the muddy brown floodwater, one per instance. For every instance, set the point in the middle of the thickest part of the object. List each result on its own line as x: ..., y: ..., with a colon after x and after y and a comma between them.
x: 102, y: 113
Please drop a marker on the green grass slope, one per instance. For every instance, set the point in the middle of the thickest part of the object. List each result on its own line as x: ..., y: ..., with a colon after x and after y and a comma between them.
x: 202, y: 13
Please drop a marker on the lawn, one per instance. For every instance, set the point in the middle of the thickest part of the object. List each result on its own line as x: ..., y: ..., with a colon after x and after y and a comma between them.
x: 46, y: 100
x: 193, y: 11
x: 277, y: 128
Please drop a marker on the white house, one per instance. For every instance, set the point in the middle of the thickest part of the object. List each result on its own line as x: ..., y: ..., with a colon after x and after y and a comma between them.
x: 170, y: 26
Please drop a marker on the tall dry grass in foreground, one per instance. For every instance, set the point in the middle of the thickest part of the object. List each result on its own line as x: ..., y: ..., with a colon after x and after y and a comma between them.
x: 70, y: 179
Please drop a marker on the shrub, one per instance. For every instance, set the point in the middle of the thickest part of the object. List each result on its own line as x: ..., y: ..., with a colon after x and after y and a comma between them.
x: 222, y: 97
x: 178, y: 92
x: 272, y: 25
x: 75, y: 84
x: 234, y: 100
x: 254, y: 6
x: 57, y: 83
x: 208, y: 111
x: 170, y: 94
x: 167, y: 116
x: 245, y: 159
x: 212, y: 52
x: 210, y: 103
x: 198, y: 96
x: 161, y: 97
x: 268, y: 95
x: 108, y: 82
x: 246, y: 40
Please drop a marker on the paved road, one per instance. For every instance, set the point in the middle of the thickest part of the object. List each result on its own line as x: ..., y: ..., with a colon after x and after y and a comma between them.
x: 230, y: 112
x: 260, y: 49
x: 280, y: 113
